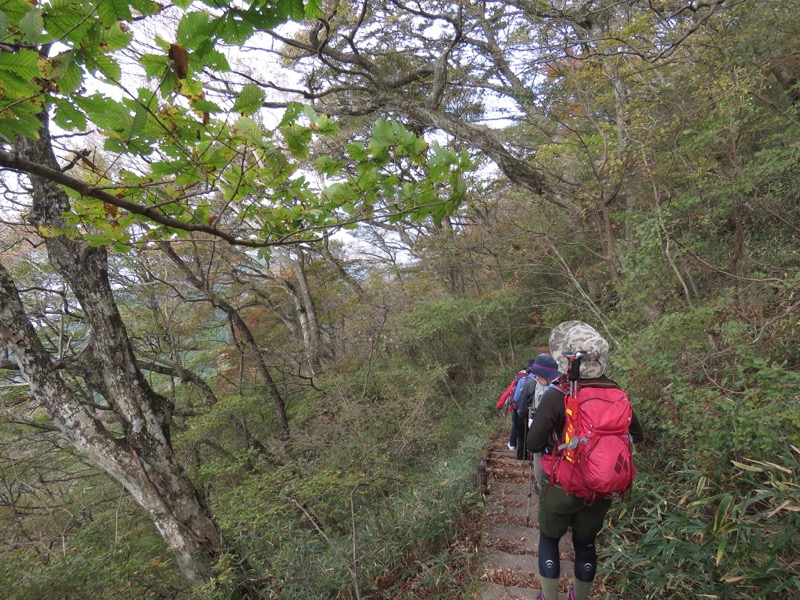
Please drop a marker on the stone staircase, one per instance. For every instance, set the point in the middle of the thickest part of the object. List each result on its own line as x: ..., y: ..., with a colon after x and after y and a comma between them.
x: 509, y: 541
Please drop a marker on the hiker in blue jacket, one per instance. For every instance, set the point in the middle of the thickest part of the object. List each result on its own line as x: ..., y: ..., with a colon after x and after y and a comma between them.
x: 544, y: 369
x: 559, y: 511
x: 524, y: 391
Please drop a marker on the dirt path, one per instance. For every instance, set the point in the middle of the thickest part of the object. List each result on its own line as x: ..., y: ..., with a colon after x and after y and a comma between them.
x: 509, y: 545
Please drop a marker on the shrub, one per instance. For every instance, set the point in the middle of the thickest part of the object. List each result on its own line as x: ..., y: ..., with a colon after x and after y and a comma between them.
x: 688, y: 537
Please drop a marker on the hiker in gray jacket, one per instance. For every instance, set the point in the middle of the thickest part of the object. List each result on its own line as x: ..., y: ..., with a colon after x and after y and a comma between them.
x: 544, y: 370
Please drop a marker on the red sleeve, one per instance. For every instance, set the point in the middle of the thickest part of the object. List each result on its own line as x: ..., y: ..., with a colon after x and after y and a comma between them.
x: 504, y: 396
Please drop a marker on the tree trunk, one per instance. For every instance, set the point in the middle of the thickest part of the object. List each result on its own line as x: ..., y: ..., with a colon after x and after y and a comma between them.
x: 200, y: 284
x: 141, y: 456
x: 306, y: 310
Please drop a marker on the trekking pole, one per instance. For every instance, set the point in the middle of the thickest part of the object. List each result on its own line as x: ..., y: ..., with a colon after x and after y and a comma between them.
x: 529, y: 454
x: 530, y: 487
x: 574, y: 371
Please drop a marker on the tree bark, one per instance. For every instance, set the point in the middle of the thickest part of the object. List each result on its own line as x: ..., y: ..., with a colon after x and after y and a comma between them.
x: 199, y: 283
x: 306, y: 309
x: 140, y: 457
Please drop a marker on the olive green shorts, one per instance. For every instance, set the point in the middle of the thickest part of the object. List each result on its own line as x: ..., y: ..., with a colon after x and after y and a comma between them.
x: 559, y: 510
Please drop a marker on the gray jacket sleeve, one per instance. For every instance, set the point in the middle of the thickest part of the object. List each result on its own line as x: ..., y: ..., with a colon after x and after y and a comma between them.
x: 549, y: 418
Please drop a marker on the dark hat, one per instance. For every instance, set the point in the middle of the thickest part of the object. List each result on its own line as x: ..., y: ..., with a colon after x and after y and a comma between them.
x: 544, y: 366
x: 572, y: 336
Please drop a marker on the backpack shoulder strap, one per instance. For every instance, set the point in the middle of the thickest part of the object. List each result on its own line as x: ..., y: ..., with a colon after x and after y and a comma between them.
x: 561, y: 384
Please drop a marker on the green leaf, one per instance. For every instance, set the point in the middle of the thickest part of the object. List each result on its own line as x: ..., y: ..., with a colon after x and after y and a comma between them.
x: 122, y: 9
x: 343, y: 195
x: 114, y: 38
x: 323, y: 124
x: 206, y: 106
x: 112, y: 11
x: 188, y: 177
x: 216, y: 160
x: 214, y: 59
x: 357, y: 151
x: 22, y: 125
x: 163, y: 169
x: 294, y: 8
x: 328, y: 166
x: 32, y: 25
x: 67, y: 116
x: 236, y: 28
x: 291, y: 113
x: 162, y: 43
x: 191, y: 88
x: 155, y: 65
x: 202, y: 212
x: 107, y: 65
x: 193, y: 29
x: 106, y: 113
x: 168, y: 83
x: 458, y: 189
x: 722, y: 512
x: 369, y: 176
x: 96, y: 239
x: 67, y: 74
x: 67, y: 23
x: 139, y: 120
x: 146, y: 7
x: 382, y: 136
x: 24, y: 64
x: 249, y: 129
x: 250, y: 100
x: 314, y: 9
x: 297, y: 139
x: 116, y: 146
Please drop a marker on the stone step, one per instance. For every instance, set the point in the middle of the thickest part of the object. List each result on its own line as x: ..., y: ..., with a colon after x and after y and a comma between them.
x: 486, y: 590
x: 509, y: 545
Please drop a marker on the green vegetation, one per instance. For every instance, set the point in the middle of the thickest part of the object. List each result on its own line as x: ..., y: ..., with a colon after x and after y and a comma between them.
x: 209, y: 392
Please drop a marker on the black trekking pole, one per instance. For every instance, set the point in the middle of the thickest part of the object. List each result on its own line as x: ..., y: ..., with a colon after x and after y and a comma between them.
x: 530, y: 487
x: 574, y: 371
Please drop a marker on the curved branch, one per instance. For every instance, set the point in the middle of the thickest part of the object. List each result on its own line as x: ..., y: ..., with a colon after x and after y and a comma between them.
x: 182, y: 373
x: 516, y: 169
x: 22, y: 165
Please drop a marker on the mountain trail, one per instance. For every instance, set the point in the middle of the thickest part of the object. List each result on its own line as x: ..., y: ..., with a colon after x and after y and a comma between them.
x: 510, y: 535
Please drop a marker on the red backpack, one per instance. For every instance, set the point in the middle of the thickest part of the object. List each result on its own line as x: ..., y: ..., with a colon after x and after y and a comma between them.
x: 508, y: 395
x: 594, y: 458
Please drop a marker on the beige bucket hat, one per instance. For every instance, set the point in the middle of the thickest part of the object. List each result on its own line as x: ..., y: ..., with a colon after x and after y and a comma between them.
x: 571, y: 336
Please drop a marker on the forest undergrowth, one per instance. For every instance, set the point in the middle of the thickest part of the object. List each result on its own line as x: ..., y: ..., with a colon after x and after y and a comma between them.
x: 251, y: 338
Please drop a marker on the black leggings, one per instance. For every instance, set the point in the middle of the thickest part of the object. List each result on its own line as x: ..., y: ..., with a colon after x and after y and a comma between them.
x: 522, y: 434
x: 585, y: 558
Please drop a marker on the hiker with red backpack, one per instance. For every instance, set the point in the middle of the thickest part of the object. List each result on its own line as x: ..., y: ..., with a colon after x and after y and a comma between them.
x: 507, y: 399
x: 585, y: 427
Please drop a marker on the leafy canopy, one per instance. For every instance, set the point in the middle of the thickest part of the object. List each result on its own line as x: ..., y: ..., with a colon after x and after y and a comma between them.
x: 181, y: 155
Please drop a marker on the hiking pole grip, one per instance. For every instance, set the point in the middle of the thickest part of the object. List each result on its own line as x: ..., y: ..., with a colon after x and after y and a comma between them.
x: 574, y: 367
